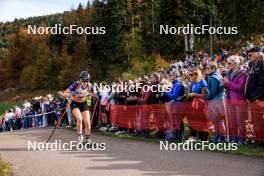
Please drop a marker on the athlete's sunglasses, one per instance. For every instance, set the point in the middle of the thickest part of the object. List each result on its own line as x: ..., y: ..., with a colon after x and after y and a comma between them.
x: 84, y: 81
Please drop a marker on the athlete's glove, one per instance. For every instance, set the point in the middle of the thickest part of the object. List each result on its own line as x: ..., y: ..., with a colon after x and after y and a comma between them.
x: 85, y: 93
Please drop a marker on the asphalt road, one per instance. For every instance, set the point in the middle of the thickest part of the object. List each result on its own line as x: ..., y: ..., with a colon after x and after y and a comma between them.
x: 122, y: 157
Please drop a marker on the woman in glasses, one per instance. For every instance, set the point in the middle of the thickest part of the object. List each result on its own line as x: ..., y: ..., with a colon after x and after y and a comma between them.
x: 198, y: 90
x: 80, y: 93
x: 235, y: 80
x: 234, y: 84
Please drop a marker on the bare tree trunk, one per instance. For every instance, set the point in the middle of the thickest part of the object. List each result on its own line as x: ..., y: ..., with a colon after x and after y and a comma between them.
x: 186, y: 42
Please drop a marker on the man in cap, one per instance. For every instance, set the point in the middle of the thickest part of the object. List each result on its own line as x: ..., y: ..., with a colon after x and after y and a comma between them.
x: 254, y: 88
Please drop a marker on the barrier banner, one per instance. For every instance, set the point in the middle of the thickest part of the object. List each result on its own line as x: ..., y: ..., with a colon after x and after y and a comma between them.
x: 233, y: 118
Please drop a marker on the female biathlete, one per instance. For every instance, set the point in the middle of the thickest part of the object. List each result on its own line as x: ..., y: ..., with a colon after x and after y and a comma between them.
x: 80, y: 93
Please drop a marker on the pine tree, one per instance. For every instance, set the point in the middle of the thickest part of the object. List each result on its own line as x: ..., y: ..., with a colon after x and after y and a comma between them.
x: 109, y: 48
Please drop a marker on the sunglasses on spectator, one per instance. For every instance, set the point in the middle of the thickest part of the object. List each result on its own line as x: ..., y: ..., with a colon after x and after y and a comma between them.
x: 229, y: 63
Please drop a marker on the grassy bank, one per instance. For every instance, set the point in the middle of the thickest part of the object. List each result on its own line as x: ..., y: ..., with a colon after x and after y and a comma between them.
x: 8, y: 105
x: 5, y: 168
x: 9, y: 100
x: 19, y: 95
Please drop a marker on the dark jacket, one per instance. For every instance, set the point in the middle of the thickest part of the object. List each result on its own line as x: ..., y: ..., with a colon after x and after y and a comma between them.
x: 154, y: 96
x: 255, y: 82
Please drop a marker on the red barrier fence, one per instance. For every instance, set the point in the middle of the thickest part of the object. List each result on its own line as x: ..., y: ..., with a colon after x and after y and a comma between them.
x: 232, y: 118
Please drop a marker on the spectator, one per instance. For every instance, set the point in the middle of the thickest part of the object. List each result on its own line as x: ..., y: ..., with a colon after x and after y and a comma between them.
x: 112, y: 101
x: 120, y: 95
x: 50, y: 106
x: 198, y: 90
x: 173, y: 94
x: 175, y: 90
x: 262, y: 44
x: 11, y: 119
x: 25, y: 113
x: 36, y: 110
x: 103, y: 94
x: 236, y: 79
x: 1, y: 123
x: 254, y: 89
x: 215, y: 104
x: 143, y: 114
x: 18, y: 116
x: 249, y: 45
x: 234, y: 85
x: 45, y: 109
x: 6, y: 122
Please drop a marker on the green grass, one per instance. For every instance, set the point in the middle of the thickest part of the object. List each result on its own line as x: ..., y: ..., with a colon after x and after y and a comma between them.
x: 8, y: 105
x: 250, y: 150
x: 5, y: 168
x: 8, y: 100
x: 25, y: 94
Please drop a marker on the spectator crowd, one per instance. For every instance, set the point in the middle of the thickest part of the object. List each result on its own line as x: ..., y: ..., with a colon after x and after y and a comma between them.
x: 39, y: 112
x: 222, y: 76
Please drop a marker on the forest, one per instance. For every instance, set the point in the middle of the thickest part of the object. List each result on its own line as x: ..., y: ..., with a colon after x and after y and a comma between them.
x: 131, y: 46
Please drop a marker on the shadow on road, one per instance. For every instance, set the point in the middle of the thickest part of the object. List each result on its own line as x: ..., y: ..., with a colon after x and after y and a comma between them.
x: 128, y: 157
